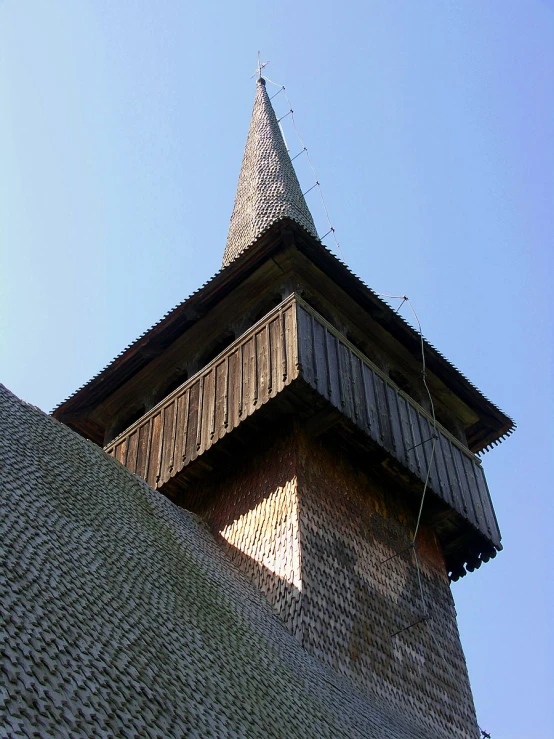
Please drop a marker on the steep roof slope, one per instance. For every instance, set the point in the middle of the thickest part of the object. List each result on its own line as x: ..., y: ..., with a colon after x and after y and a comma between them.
x: 268, y: 189
x: 123, y: 617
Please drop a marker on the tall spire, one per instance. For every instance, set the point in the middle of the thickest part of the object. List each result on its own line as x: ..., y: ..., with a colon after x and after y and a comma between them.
x: 268, y: 188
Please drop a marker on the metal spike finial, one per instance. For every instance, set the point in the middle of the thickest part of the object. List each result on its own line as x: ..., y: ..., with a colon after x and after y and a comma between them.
x: 258, y: 73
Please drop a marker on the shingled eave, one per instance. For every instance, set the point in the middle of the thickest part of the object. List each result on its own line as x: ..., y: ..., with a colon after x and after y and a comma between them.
x: 154, y: 341
x: 398, y: 327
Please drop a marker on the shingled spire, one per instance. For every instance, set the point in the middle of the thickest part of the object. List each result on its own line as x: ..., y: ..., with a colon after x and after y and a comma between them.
x: 268, y: 188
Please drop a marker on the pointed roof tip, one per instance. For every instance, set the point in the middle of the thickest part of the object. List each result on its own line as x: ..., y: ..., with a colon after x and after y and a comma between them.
x: 268, y: 189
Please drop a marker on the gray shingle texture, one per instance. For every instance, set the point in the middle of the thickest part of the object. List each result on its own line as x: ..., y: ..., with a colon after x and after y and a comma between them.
x: 123, y: 617
x: 268, y: 188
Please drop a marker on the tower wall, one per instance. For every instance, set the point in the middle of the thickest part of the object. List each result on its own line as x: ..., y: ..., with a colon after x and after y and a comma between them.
x: 253, y: 511
x: 354, y: 601
x: 312, y: 531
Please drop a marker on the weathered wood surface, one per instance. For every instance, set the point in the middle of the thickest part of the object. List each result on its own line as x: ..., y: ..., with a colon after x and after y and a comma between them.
x: 290, y: 342
x: 337, y: 370
x: 194, y: 417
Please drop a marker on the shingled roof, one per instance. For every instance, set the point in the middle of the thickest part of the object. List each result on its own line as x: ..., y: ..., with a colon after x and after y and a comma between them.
x: 124, y: 617
x: 268, y: 188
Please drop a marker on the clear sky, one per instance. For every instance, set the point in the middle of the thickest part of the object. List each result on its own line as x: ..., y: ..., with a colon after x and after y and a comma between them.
x: 431, y: 125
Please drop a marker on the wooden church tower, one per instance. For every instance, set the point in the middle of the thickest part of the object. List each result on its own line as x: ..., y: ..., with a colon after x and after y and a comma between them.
x: 284, y: 403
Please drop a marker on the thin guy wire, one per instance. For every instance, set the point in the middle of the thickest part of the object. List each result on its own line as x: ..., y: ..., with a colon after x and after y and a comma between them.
x: 427, y: 617
x: 401, y: 304
x: 432, y: 457
x: 406, y: 299
x: 291, y: 111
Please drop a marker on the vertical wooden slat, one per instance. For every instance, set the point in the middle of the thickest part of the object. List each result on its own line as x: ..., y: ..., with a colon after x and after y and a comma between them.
x: 153, y: 450
x: 490, y: 514
x: 192, y: 422
x: 407, y: 434
x: 220, y: 379
x: 206, y: 411
x: 471, y: 511
x: 226, y: 399
x: 305, y: 347
x: 345, y: 369
x: 248, y: 383
x: 132, y: 451
x: 143, y: 449
x: 337, y: 375
x: 170, y: 412
x: 427, y: 432
x: 383, y: 412
x: 255, y: 370
x: 462, y: 482
x: 182, y: 429
x: 240, y: 380
x: 269, y: 359
x: 264, y: 366
x: 320, y: 364
x: 328, y: 364
x: 396, y: 426
x: 445, y: 486
x: 276, y: 361
x: 213, y: 402
x: 418, y: 451
x: 234, y: 394
x: 199, y: 413
x: 160, y: 450
x: 284, y: 366
x: 356, y: 388
x: 483, y: 499
x: 453, y: 482
x: 476, y: 500
x: 291, y: 342
x: 121, y: 450
x: 313, y: 351
x: 371, y: 403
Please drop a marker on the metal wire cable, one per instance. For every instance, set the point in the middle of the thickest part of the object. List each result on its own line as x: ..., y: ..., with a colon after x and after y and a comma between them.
x: 310, y: 162
x: 406, y: 299
x: 427, y: 618
x: 425, y: 612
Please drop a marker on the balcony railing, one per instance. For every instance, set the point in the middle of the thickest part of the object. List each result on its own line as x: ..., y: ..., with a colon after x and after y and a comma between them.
x: 213, y: 402
x: 363, y: 393
x: 290, y: 343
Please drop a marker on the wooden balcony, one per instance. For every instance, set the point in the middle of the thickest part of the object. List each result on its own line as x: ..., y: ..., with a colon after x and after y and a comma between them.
x: 356, y: 387
x: 294, y: 345
x: 195, y: 416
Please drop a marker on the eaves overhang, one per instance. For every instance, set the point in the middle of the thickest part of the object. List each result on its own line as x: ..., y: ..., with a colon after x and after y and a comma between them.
x: 284, y: 232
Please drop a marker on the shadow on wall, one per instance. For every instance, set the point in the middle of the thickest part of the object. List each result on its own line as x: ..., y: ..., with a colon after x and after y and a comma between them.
x: 369, y: 615
x: 359, y: 629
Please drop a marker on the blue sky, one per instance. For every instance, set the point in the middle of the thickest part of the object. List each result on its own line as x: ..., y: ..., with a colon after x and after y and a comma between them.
x: 431, y: 125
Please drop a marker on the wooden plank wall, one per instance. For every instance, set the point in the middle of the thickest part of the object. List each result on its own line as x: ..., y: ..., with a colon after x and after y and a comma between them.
x: 188, y: 422
x: 337, y: 370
